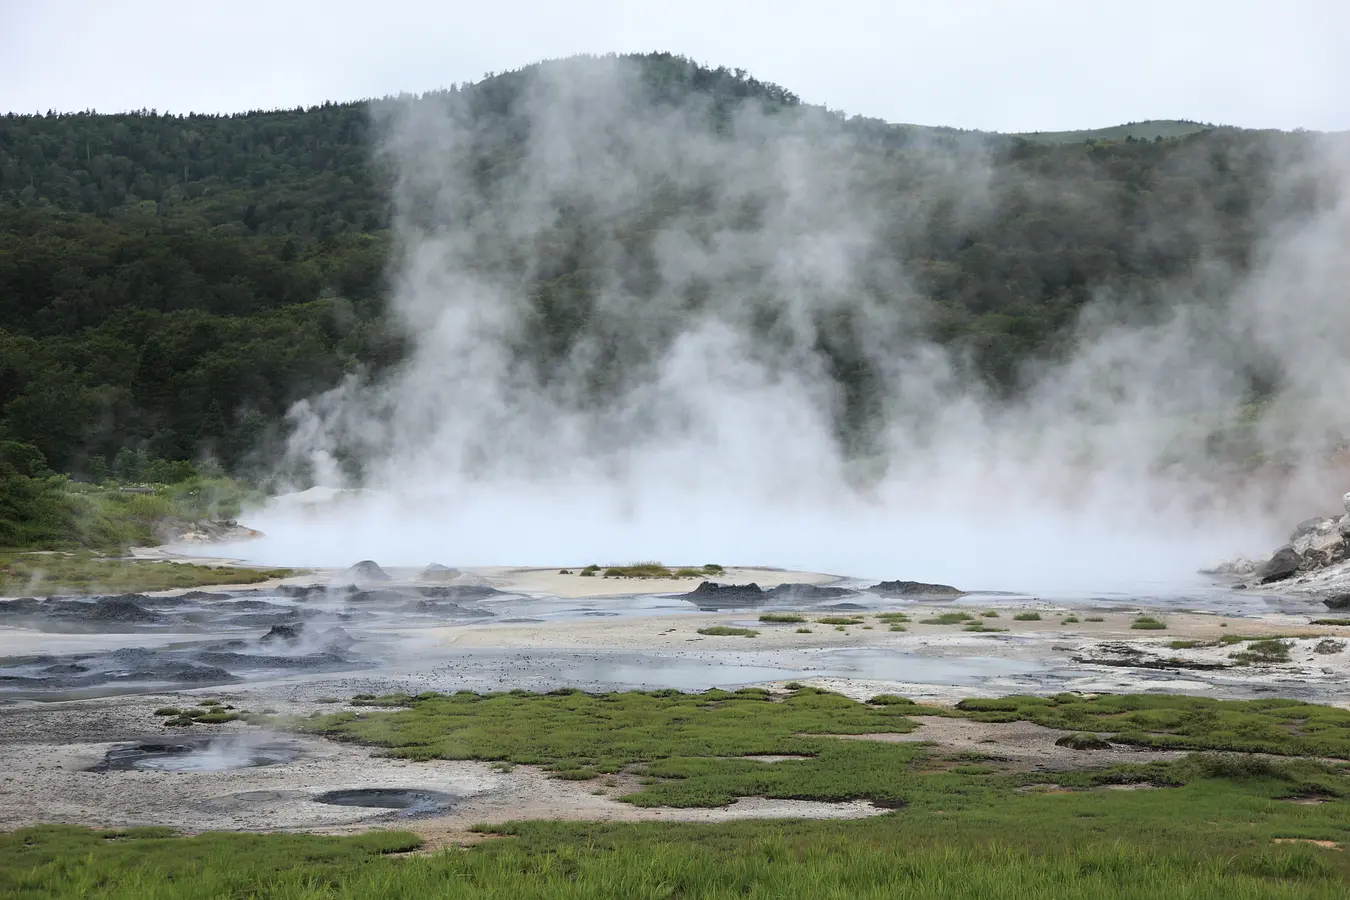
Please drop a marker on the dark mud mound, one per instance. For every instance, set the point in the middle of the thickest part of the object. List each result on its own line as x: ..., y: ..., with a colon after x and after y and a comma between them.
x: 302, y: 592
x: 120, y: 610
x: 384, y: 596
x: 120, y: 613
x: 808, y: 593
x: 367, y: 570
x: 438, y: 572
x: 21, y: 608
x: 915, y: 589
x: 335, y: 638
x: 203, y: 596
x: 410, y: 801
x: 710, y: 595
x: 289, y: 634
x: 462, y: 593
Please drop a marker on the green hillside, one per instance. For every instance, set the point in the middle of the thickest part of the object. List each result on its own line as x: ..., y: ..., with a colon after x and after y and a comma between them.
x: 1150, y: 130
x: 170, y: 285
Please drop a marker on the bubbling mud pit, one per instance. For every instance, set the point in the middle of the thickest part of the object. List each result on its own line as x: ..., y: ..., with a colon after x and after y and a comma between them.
x: 86, y: 683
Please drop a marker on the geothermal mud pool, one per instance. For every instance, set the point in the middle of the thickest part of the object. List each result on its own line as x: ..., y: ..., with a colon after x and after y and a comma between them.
x: 82, y: 678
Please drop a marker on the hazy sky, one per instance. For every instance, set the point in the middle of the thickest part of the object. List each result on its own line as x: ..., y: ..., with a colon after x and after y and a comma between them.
x: 996, y: 64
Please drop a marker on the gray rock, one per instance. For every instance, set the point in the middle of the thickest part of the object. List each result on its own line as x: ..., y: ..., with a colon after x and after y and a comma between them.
x: 1284, y: 564
x: 1308, y: 526
x: 1337, y: 601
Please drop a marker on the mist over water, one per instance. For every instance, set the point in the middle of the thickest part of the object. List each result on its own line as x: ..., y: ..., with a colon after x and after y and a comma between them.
x: 686, y: 410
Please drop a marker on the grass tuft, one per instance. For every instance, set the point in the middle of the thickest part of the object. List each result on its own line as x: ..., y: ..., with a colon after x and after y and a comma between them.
x: 727, y: 631
x: 948, y: 618
x: 1027, y: 617
x: 1148, y: 623
x: 781, y: 618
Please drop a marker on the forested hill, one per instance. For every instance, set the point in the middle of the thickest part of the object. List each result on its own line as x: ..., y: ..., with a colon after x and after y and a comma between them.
x: 171, y: 284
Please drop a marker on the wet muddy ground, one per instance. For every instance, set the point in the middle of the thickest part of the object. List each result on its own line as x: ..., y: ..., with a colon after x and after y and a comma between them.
x: 80, y: 679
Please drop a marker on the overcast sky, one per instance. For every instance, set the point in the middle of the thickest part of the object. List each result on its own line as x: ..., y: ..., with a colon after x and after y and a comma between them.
x: 1010, y: 65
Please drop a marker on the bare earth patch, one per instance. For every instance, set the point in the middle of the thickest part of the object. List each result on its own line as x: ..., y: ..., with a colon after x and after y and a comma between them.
x: 1023, y: 743
x: 1326, y: 845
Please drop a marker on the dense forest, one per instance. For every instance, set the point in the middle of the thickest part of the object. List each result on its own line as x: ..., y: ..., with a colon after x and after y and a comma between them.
x: 170, y: 285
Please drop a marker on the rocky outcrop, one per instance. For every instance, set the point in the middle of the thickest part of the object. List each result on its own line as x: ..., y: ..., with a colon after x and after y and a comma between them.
x: 1285, y: 563
x: 1315, y: 544
x: 202, y: 531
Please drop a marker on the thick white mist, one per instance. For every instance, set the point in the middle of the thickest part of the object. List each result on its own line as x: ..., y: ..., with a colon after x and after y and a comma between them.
x: 712, y: 438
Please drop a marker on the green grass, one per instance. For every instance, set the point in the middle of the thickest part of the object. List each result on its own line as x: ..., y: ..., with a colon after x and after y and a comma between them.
x: 1186, y: 645
x: 990, y: 614
x: 1071, y: 854
x: 639, y: 570
x: 727, y: 631
x: 1069, y: 620
x: 690, y: 739
x: 1330, y: 622
x: 1094, y: 619
x: 84, y: 571
x: 896, y: 626
x: 960, y: 829
x: 1148, y: 623
x: 1027, y: 617
x: 652, y: 569
x: 890, y: 618
x: 1282, y: 727
x: 781, y: 618
x: 949, y: 618
x: 839, y: 620
x: 808, y: 630
x: 981, y: 627
x: 70, y: 515
x: 1267, y: 650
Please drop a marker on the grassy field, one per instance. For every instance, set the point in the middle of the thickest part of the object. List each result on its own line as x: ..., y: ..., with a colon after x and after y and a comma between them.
x: 1282, y: 727
x: 1213, y: 825
x: 1077, y: 850
x: 87, y: 572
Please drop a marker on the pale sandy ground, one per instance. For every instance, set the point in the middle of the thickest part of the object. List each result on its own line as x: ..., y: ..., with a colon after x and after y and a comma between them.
x: 530, y: 581
x: 549, y: 582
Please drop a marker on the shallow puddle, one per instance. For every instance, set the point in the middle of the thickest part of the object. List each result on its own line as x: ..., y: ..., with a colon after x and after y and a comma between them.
x: 409, y: 801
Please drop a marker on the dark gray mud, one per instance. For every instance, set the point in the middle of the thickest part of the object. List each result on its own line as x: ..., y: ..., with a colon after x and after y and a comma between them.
x: 408, y: 801
x: 201, y: 638
x: 218, y: 754
x: 710, y: 596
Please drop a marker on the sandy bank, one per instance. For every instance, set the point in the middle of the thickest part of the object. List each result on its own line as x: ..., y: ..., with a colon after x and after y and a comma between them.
x: 549, y: 581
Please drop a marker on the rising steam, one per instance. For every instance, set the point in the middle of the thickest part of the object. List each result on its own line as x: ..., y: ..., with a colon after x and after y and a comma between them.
x: 691, y: 415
